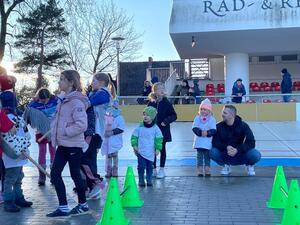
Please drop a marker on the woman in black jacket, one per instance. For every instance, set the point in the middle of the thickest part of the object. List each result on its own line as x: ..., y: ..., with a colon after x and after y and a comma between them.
x: 165, y: 116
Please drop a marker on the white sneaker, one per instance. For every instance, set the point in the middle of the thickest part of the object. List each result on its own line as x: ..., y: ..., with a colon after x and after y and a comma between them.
x: 95, y: 192
x: 250, y: 170
x: 161, y: 173
x: 226, y: 170
x: 154, y: 174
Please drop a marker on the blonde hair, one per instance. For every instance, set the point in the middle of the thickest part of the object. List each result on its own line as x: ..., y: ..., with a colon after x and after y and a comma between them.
x: 107, y: 82
x: 157, y: 85
x: 73, y: 76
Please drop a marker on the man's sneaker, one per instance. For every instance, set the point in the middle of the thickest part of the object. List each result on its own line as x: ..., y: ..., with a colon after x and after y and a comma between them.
x: 161, y: 173
x: 57, y: 213
x: 154, y: 174
x: 226, y: 170
x: 95, y: 191
x: 250, y: 170
x: 79, y: 210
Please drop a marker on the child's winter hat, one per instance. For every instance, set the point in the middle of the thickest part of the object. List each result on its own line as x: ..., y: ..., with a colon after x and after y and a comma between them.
x: 151, y: 112
x: 8, y: 100
x: 7, y: 82
x: 205, y: 104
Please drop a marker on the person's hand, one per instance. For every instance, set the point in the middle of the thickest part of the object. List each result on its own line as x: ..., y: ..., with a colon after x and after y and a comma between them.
x: 12, y: 131
x: 156, y: 152
x: 239, y: 94
x: 231, y: 151
x: 163, y: 124
x: 108, y: 133
x: 88, y: 139
x: 204, y: 133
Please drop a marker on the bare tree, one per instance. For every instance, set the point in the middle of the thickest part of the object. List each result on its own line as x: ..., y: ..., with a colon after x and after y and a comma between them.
x: 92, y: 26
x: 6, y: 8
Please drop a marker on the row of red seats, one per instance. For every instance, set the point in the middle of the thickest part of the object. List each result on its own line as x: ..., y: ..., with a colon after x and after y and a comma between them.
x: 250, y: 101
x: 210, y: 89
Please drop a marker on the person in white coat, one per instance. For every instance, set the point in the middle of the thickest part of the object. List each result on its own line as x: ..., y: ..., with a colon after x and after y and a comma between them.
x: 204, y: 128
x: 113, y: 140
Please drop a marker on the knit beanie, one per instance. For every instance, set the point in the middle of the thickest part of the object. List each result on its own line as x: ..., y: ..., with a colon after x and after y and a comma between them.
x: 7, y: 82
x: 8, y: 101
x: 205, y: 104
x: 151, y: 112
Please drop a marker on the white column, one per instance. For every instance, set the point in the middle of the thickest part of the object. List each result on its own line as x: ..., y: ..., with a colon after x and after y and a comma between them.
x: 236, y: 66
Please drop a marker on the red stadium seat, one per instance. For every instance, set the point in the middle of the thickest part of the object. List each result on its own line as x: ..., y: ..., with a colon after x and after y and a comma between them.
x: 253, y: 84
x: 277, y: 88
x: 264, y: 84
x: 250, y: 101
x: 221, y: 89
x: 256, y: 89
x: 267, y: 101
x: 275, y: 84
x: 267, y: 88
x: 210, y: 89
x: 210, y: 86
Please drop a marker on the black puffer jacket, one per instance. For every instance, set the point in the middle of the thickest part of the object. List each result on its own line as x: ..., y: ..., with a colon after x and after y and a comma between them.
x: 239, y: 136
x: 166, y: 114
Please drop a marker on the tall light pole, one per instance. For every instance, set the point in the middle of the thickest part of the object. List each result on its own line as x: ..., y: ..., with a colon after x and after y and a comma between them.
x: 117, y: 40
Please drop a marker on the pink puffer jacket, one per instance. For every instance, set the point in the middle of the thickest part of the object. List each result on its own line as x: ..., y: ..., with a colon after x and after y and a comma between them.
x: 70, y: 121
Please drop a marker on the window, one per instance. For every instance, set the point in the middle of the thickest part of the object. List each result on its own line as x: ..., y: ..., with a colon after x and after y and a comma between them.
x: 289, y: 58
x: 269, y: 58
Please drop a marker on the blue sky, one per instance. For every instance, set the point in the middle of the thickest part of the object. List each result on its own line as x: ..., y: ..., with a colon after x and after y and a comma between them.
x: 152, y: 19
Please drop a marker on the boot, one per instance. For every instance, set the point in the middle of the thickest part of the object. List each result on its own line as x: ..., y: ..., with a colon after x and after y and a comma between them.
x: 207, y: 171
x: 115, y: 171
x: 10, y: 206
x: 42, y: 177
x: 23, y: 203
x: 199, y: 171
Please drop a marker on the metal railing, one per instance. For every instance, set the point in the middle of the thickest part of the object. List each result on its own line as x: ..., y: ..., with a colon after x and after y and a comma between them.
x: 216, y: 99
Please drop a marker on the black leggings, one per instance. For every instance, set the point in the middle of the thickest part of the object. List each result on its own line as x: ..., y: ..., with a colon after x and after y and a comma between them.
x: 2, y: 174
x: 72, y: 155
x: 89, y: 158
x: 163, y: 156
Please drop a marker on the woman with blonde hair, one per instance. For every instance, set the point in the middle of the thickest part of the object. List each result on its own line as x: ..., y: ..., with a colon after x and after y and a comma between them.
x: 165, y: 116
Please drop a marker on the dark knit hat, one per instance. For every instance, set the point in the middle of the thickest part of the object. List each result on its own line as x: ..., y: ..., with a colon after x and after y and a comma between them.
x: 284, y: 70
x: 8, y: 101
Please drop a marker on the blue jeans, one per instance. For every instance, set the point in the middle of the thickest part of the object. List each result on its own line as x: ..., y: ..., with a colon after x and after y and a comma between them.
x: 13, y: 184
x: 286, y: 98
x: 203, y: 155
x: 249, y: 158
x: 144, y: 164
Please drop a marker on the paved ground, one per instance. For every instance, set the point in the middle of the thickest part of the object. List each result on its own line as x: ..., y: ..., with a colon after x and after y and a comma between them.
x: 183, y: 198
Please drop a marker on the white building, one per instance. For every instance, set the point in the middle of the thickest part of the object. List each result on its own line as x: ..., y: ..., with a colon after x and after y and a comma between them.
x: 248, y: 39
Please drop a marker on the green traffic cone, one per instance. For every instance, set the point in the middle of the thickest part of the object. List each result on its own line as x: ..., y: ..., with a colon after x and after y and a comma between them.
x: 131, y: 196
x: 278, y: 198
x: 113, y: 211
x: 291, y: 215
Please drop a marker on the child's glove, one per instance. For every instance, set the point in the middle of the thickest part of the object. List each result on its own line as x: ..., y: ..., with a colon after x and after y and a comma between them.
x: 135, y: 150
x: 157, y: 152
